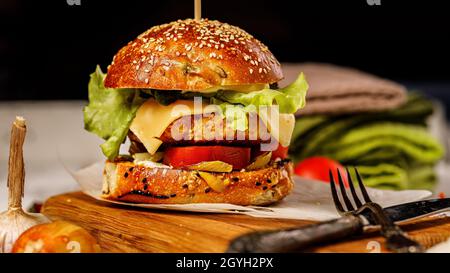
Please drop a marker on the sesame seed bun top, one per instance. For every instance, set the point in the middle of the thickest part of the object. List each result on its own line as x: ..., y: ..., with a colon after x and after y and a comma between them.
x: 193, y: 55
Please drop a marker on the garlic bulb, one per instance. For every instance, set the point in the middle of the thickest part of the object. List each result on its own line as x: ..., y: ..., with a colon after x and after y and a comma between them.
x: 13, y: 223
x: 15, y: 220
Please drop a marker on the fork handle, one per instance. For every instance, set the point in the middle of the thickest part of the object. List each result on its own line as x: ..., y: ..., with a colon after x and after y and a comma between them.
x: 297, y: 238
x: 396, y: 239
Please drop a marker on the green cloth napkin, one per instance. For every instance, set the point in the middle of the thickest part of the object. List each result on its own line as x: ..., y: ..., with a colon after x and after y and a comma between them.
x: 392, y: 149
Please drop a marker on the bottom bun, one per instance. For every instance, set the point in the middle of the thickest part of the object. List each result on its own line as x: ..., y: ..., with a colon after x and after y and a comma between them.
x: 137, y: 183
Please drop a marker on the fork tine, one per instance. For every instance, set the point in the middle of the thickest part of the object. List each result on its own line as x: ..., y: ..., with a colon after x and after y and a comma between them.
x: 362, y: 187
x: 336, y: 201
x: 352, y: 189
x: 347, y: 201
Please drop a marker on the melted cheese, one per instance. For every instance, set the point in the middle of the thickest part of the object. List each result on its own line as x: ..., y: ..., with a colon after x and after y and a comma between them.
x: 152, y: 119
x: 281, y: 127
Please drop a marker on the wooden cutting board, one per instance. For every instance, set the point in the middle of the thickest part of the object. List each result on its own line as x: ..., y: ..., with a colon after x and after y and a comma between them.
x: 124, y: 229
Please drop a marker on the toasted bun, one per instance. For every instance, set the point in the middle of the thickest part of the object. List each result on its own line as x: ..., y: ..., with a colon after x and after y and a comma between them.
x: 128, y: 182
x: 193, y: 55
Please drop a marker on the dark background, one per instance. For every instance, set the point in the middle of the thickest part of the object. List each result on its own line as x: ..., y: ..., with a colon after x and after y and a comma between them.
x: 48, y: 48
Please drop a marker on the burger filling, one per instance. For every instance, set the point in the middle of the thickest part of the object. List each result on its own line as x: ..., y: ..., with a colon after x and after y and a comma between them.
x: 181, y: 129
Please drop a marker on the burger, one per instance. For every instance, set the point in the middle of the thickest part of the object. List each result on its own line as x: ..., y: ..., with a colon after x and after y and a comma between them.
x: 199, y: 105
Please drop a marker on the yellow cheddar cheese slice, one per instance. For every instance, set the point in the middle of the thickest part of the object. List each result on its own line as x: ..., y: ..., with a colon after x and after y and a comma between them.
x: 152, y: 119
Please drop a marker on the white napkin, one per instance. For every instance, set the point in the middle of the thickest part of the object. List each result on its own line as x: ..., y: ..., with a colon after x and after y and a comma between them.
x: 311, y: 200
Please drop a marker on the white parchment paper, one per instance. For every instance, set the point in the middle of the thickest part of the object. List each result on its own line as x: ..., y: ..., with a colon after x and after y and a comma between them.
x: 311, y: 200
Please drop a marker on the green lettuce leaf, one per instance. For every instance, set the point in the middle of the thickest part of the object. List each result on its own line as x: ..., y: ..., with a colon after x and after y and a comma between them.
x: 289, y: 99
x: 236, y: 105
x: 235, y: 114
x: 110, y: 113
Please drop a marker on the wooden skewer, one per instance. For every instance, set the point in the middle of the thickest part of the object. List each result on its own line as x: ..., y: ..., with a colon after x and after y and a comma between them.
x: 198, y: 9
x: 16, y: 174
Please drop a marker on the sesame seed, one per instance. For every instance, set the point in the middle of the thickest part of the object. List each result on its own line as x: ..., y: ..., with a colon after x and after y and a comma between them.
x: 212, y: 34
x: 251, y: 71
x: 146, y: 80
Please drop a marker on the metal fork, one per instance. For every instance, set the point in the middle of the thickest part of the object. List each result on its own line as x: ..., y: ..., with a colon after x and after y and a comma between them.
x: 396, y: 239
x: 353, y: 222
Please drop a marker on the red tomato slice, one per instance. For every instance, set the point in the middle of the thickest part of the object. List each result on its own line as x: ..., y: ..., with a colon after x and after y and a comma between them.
x: 318, y: 168
x: 183, y: 156
x: 280, y: 152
